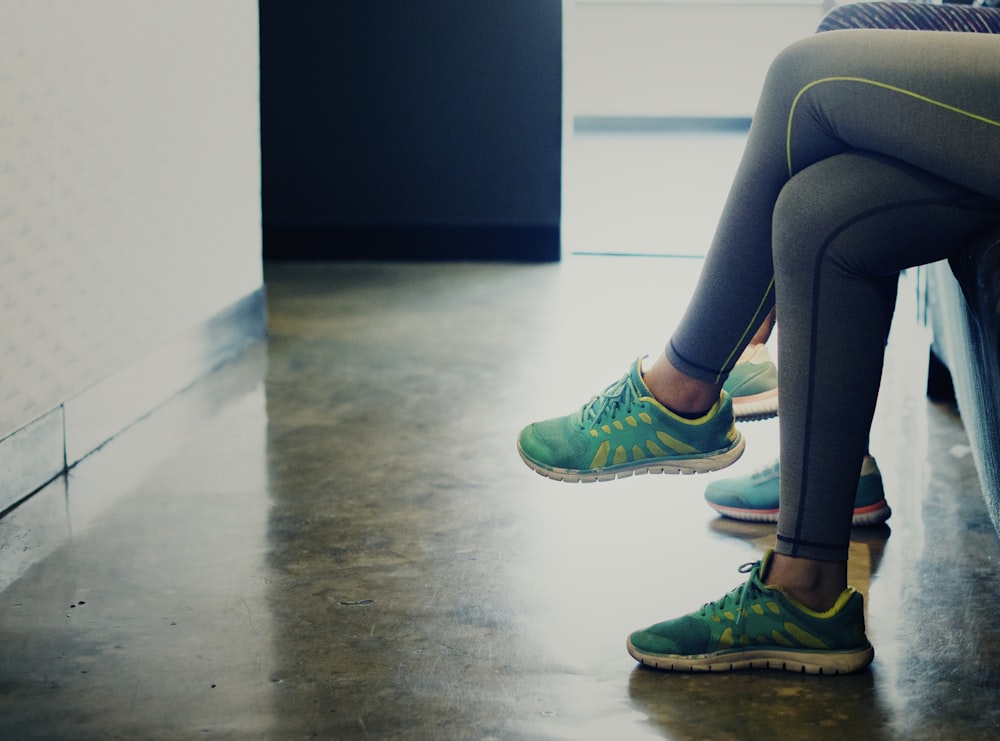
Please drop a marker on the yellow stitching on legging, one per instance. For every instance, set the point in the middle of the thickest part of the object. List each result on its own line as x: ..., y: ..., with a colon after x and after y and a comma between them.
x: 893, y: 88
x: 751, y: 327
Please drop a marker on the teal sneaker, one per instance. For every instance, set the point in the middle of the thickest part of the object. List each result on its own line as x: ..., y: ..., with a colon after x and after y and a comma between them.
x: 754, y: 498
x: 624, y: 431
x: 753, y: 384
x: 759, y: 627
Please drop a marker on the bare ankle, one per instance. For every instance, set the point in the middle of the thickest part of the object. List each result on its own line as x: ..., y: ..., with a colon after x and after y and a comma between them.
x: 815, y: 584
x: 677, y: 391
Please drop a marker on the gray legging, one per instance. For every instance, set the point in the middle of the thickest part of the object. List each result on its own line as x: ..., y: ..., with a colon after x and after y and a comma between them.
x: 871, y: 151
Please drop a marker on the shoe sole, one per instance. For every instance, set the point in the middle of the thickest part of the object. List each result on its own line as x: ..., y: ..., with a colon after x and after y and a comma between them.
x: 757, y: 407
x: 874, y: 514
x: 801, y: 662
x: 705, y: 463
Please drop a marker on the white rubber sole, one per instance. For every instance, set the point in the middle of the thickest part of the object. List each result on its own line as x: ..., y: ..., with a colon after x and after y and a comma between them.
x: 874, y: 514
x: 757, y: 407
x: 685, y: 466
x: 802, y: 662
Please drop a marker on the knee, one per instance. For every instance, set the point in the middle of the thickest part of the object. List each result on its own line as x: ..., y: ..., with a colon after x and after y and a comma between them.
x: 801, y: 224
x: 801, y: 62
x: 813, y: 58
x: 820, y: 213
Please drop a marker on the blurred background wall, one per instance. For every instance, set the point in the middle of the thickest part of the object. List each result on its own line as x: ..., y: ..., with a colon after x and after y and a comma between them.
x: 413, y: 130
x: 129, y: 214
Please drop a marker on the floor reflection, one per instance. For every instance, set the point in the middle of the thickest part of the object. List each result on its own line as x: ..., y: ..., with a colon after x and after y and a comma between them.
x: 749, y: 705
x: 334, y: 537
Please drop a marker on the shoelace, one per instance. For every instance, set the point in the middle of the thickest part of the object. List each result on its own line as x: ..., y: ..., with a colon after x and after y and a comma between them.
x: 765, y: 471
x: 746, y: 590
x: 622, y: 394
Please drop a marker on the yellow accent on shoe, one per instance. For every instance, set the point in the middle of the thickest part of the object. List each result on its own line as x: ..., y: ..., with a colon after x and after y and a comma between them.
x: 685, y: 420
x: 803, y: 637
x: 631, y: 421
x: 780, y: 638
x: 620, y: 456
x: 637, y: 454
x: 601, y: 456
x: 842, y: 600
x: 726, y: 639
x: 674, y: 443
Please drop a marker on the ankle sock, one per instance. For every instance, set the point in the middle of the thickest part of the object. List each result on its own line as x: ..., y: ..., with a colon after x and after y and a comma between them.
x: 692, y: 415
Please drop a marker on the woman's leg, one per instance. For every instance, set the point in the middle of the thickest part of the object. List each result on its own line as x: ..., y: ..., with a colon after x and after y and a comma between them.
x: 884, y: 148
x: 924, y: 98
x: 843, y: 229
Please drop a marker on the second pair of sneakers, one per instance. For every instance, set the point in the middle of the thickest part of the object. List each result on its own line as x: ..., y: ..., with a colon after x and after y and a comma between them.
x: 753, y: 385
x: 755, y: 498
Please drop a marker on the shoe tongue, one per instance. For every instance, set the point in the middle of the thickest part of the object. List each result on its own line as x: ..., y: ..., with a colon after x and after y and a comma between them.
x: 636, y: 375
x: 765, y: 565
x: 770, y: 471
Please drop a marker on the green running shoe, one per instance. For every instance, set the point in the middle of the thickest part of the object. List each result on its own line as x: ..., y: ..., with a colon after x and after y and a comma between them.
x: 754, y: 498
x: 759, y: 627
x: 753, y: 384
x: 625, y: 431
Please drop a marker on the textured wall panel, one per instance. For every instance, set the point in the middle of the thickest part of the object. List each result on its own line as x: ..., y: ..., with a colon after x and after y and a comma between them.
x: 129, y: 184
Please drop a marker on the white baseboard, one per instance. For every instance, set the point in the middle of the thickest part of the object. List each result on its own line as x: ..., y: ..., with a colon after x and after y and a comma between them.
x: 40, y: 451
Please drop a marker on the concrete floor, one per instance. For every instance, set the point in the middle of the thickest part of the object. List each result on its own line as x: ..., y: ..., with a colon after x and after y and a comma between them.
x: 333, y: 537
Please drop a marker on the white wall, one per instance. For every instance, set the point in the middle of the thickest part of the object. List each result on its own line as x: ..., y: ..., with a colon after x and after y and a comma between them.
x: 129, y: 184
x: 669, y: 58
